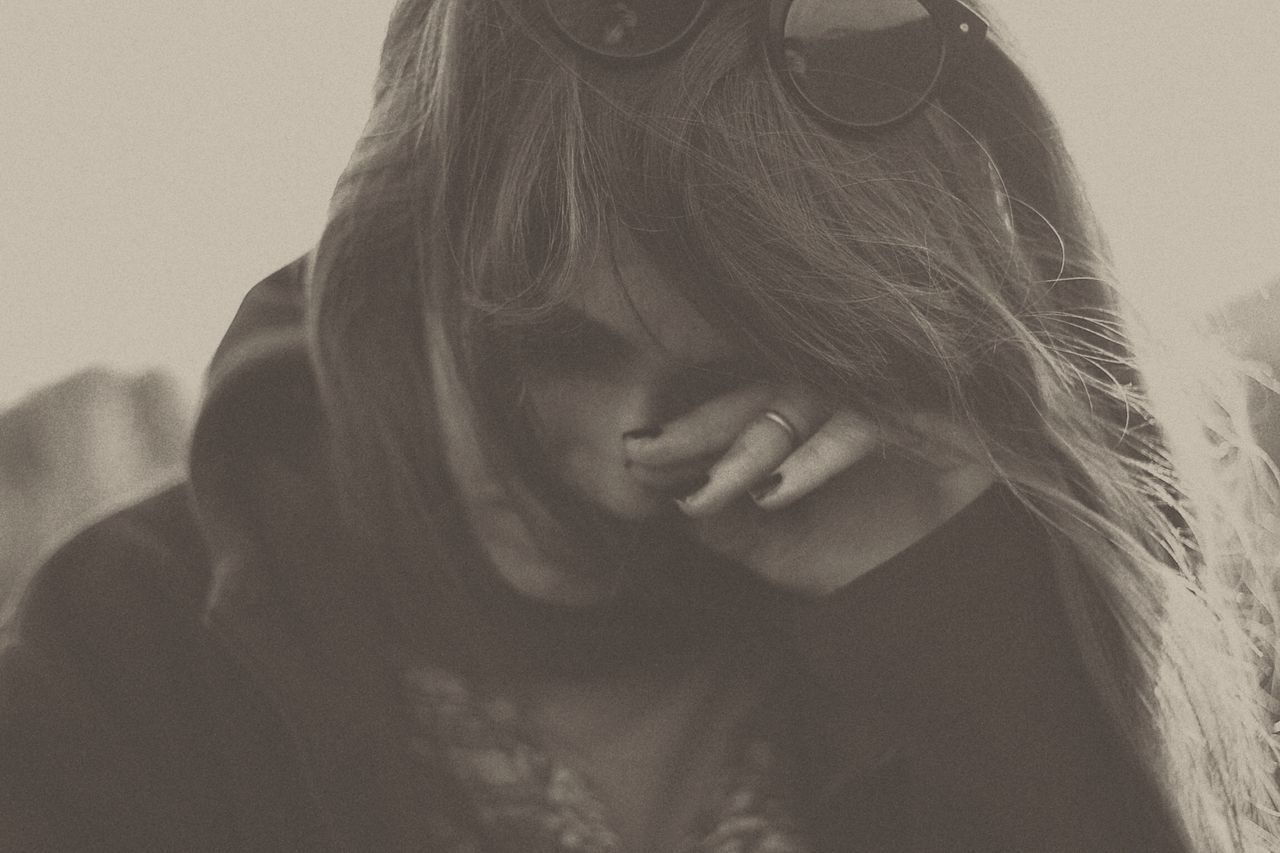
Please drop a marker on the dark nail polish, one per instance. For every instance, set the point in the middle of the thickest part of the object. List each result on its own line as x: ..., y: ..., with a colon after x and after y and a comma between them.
x: 647, y: 432
x: 767, y: 487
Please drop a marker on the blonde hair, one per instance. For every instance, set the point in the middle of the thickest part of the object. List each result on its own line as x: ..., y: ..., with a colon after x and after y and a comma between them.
x: 948, y: 264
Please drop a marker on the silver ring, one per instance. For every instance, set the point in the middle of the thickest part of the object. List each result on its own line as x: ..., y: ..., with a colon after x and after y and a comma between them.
x: 787, y: 426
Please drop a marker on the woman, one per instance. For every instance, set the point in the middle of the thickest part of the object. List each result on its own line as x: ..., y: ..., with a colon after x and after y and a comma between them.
x: 699, y: 427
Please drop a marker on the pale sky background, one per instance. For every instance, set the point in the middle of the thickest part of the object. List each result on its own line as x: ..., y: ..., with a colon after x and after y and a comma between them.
x: 158, y: 158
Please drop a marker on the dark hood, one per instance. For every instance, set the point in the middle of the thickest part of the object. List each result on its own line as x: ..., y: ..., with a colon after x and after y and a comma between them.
x: 281, y: 593
x: 259, y: 403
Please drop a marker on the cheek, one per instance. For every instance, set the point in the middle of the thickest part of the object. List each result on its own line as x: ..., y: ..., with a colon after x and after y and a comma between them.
x: 579, y: 429
x: 573, y: 418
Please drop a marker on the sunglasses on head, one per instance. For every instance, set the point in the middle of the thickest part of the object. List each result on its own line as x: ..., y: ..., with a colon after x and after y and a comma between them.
x: 857, y: 64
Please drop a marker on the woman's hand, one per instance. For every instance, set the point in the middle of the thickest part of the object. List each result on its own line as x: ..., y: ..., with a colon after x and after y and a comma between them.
x: 808, y: 497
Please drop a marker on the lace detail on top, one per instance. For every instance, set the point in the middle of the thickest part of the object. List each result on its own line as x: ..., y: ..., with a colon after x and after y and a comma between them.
x: 526, y: 801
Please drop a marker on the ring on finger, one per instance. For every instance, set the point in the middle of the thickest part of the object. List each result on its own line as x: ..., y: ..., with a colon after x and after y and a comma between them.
x: 773, y: 416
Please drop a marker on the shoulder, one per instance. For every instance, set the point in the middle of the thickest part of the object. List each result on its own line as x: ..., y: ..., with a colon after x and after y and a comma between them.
x: 121, y: 719
x: 109, y: 631
x: 145, y: 562
x: 951, y: 705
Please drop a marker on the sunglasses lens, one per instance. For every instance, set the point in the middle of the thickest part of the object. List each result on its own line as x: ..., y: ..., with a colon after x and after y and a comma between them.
x: 862, y: 63
x: 629, y: 29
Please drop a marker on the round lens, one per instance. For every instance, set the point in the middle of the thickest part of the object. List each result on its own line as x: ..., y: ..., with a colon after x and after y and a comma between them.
x: 861, y: 63
x: 626, y: 30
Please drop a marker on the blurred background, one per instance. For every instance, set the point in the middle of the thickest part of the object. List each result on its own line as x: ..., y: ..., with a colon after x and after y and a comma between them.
x: 159, y: 158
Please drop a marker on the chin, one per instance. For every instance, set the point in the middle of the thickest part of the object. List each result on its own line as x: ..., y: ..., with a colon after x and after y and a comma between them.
x: 638, y: 504
x: 644, y: 538
x: 635, y: 507
x: 627, y: 514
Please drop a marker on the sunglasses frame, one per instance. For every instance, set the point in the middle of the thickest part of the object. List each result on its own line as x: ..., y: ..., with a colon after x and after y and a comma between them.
x: 961, y: 27
x: 705, y: 8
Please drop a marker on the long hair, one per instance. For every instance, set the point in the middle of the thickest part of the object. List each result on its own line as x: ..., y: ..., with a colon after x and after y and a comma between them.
x: 950, y: 264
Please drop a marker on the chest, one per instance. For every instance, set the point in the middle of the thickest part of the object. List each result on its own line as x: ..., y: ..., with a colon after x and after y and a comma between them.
x: 655, y: 748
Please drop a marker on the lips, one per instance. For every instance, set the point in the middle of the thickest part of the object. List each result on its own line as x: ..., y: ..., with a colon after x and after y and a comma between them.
x: 671, y: 481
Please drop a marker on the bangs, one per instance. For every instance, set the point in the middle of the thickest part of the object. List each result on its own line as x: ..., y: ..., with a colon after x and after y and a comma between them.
x: 821, y: 257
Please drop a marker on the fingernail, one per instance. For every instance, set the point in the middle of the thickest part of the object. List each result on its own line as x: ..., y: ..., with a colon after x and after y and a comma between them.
x: 692, y: 487
x: 646, y: 432
x: 767, y: 487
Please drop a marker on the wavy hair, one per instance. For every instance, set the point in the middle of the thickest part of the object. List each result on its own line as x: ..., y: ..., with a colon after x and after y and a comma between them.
x: 948, y: 264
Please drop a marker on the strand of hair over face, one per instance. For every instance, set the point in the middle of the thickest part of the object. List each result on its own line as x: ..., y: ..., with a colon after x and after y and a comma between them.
x: 949, y: 264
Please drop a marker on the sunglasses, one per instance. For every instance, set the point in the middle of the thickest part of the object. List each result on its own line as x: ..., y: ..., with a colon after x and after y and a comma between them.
x: 856, y: 64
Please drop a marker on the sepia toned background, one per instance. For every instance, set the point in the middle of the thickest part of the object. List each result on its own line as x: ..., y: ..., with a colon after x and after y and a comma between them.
x: 159, y: 158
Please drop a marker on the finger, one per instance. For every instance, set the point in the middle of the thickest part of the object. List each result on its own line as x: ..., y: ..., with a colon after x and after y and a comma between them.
x: 760, y: 447
x: 838, y: 444
x: 706, y: 430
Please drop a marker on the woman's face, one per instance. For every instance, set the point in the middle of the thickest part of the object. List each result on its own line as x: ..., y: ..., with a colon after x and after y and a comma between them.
x: 628, y: 353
